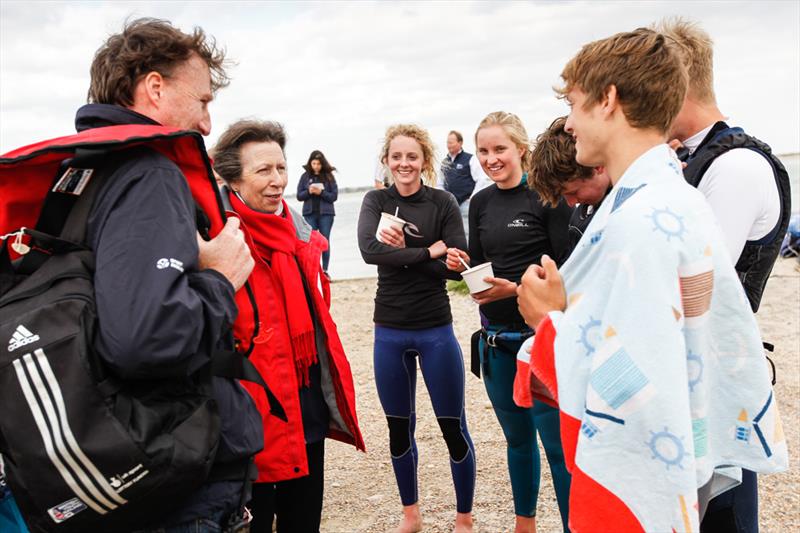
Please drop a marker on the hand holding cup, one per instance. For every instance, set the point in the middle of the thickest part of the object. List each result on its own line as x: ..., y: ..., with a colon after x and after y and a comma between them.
x: 393, y: 236
x: 499, y: 289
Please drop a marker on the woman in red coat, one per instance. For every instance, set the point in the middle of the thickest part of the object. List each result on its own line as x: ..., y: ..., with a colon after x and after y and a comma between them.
x: 291, y: 338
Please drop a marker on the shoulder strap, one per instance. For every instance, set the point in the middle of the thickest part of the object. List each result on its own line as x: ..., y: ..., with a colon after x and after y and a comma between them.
x: 62, y: 223
x: 717, y: 142
x: 234, y: 365
x: 102, y: 166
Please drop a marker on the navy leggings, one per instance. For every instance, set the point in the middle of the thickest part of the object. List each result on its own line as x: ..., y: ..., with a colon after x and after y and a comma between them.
x: 396, y: 352
x: 323, y: 224
x: 520, y: 426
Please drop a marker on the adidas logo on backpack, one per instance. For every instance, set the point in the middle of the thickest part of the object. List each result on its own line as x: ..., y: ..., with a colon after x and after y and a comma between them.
x: 21, y: 337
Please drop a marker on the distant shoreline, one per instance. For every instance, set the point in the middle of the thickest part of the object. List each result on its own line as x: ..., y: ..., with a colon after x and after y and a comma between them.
x: 355, y: 189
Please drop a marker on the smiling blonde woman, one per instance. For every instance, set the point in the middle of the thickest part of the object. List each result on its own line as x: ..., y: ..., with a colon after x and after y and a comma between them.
x: 412, y: 315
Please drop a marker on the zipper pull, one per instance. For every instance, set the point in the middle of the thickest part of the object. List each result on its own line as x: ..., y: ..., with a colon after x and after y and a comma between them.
x: 263, y: 335
x: 18, y: 246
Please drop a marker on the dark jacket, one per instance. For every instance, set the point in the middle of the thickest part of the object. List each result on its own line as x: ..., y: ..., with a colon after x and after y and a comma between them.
x: 158, y: 320
x: 326, y: 199
x: 458, y: 179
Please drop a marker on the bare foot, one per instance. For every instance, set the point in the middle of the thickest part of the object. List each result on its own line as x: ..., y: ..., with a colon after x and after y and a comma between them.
x: 412, y: 520
x: 463, y: 523
x: 525, y: 524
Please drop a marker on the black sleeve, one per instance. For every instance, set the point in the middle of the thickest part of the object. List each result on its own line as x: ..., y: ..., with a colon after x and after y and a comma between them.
x: 453, y: 237
x: 476, y: 256
x: 375, y: 252
x: 331, y: 192
x: 557, y: 219
x: 435, y: 268
x: 158, y: 315
x: 452, y: 225
x: 302, y: 188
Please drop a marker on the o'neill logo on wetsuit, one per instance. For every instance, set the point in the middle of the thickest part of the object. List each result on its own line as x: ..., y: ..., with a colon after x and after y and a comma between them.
x: 518, y: 223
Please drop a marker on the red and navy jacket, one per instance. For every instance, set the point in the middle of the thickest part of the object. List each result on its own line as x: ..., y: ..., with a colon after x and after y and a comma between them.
x: 159, y: 314
x: 284, y: 454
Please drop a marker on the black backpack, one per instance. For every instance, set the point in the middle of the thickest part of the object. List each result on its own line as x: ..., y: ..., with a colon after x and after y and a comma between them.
x: 84, y: 451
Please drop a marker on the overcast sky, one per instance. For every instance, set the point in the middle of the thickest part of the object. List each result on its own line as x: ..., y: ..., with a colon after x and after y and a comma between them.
x: 336, y: 74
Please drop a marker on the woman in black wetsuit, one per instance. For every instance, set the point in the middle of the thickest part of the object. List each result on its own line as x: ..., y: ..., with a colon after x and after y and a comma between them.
x: 412, y: 316
x: 509, y: 226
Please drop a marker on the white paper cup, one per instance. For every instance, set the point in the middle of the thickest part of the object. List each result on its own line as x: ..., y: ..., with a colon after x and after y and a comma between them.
x: 474, y: 277
x: 389, y: 221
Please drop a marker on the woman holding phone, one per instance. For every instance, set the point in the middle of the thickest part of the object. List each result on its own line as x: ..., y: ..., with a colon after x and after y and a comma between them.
x: 412, y: 315
x: 318, y: 191
x: 509, y: 226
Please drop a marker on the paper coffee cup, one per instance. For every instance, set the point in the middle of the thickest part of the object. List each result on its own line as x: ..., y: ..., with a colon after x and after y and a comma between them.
x: 474, y: 277
x: 389, y: 221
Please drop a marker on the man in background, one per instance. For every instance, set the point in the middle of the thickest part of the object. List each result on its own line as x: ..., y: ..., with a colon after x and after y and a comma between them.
x: 462, y: 175
x: 746, y: 186
x: 748, y: 190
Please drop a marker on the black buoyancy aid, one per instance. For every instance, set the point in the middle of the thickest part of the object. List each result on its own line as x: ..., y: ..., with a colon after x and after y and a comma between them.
x: 757, y: 258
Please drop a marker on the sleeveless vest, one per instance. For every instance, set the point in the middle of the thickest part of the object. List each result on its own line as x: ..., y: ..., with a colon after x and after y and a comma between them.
x: 458, y: 178
x: 755, y: 263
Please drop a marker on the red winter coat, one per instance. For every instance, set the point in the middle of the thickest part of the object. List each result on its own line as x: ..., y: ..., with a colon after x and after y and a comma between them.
x: 284, y: 453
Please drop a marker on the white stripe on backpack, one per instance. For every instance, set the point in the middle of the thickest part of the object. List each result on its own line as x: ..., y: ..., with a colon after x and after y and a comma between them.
x: 50, y: 427
x: 73, y: 444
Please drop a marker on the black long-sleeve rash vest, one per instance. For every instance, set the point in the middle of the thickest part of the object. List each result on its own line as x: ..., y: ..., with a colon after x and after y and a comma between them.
x: 411, y: 289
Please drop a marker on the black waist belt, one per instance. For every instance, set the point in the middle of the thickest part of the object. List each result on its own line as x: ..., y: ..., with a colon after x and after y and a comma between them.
x: 501, y: 339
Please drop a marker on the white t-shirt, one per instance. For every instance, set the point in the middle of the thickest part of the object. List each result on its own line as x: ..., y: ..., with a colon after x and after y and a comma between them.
x: 741, y: 188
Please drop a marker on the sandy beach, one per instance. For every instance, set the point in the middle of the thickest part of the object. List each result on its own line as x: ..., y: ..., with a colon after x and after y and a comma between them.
x: 360, y: 491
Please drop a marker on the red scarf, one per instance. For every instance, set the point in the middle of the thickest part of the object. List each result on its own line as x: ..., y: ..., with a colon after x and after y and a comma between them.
x: 276, y: 242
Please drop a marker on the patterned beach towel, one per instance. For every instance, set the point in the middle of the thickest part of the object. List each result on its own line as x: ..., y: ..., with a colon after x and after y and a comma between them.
x: 657, y: 364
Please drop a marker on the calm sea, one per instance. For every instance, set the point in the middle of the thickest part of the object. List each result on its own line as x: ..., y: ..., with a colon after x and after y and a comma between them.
x: 346, y: 262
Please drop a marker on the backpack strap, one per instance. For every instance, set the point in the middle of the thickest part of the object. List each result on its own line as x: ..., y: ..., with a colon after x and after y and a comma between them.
x: 102, y: 166
x: 62, y: 223
x: 7, y: 273
x: 234, y: 365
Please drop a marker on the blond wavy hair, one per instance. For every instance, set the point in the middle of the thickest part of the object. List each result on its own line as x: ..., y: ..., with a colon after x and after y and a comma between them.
x: 697, y: 51
x: 515, y: 130
x: 422, y: 137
